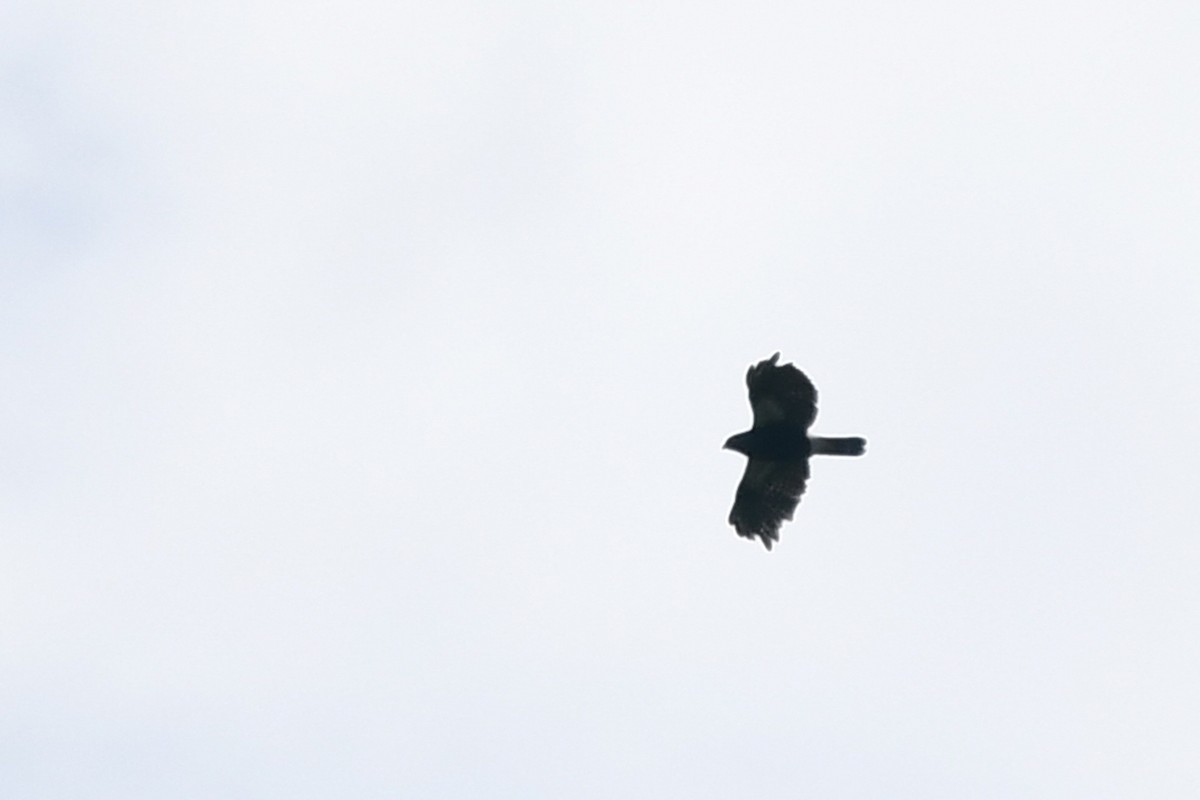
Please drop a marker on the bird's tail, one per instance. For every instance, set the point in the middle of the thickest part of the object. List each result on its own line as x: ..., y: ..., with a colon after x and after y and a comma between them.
x: 839, y: 446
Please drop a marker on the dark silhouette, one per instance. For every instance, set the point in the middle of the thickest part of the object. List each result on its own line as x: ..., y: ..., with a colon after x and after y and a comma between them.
x: 784, y: 402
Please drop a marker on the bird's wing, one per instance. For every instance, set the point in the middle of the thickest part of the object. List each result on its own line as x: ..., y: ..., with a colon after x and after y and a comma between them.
x: 781, y: 394
x: 768, y: 494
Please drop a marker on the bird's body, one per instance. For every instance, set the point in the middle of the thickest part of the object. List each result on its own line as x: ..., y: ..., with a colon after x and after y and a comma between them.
x: 778, y: 447
x: 778, y: 442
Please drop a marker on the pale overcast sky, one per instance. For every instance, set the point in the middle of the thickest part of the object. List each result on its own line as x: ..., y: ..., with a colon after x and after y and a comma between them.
x: 366, y: 366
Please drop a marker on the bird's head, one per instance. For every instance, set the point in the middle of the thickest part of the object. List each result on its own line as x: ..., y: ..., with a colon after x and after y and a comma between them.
x: 738, y: 443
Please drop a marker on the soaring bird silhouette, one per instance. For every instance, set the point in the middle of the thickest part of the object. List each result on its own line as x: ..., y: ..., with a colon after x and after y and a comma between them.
x: 784, y: 402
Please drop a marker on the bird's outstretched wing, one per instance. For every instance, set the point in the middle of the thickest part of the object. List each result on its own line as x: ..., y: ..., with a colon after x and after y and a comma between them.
x: 768, y: 494
x: 781, y: 394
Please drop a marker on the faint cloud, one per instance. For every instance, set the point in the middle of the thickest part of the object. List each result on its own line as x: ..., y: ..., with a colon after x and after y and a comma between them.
x: 60, y: 176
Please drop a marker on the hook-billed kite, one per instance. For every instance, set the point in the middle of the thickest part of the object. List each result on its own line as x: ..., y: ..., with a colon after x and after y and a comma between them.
x: 778, y: 446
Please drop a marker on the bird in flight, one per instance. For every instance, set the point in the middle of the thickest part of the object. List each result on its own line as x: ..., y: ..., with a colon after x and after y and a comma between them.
x: 784, y: 402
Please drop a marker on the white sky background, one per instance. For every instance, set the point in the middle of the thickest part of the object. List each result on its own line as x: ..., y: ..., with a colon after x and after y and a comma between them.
x: 366, y: 368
